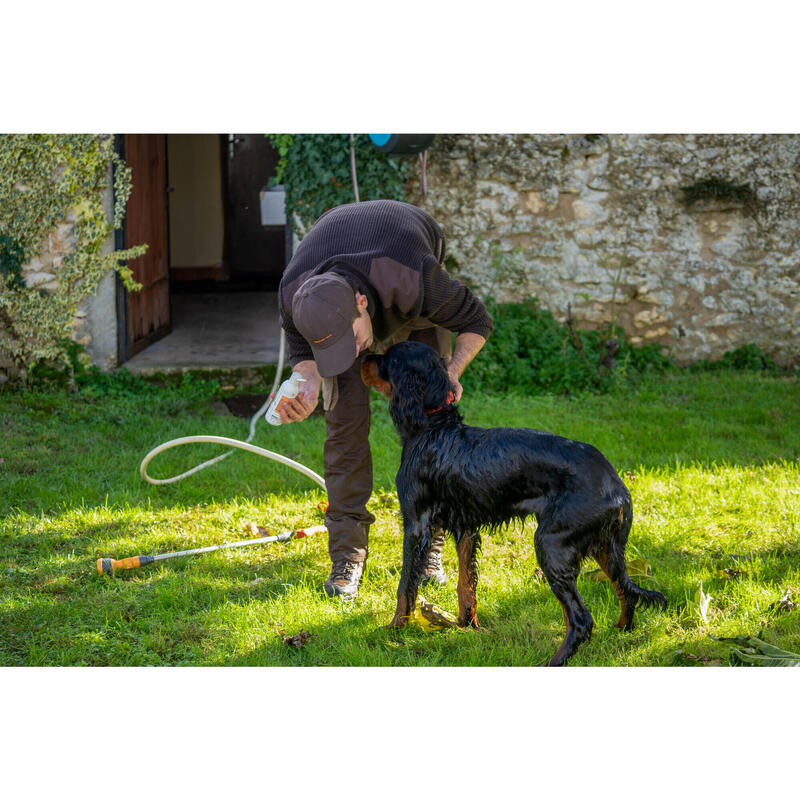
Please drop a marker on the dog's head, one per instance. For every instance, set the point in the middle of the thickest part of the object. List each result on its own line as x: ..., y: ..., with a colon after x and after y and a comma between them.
x: 414, y: 378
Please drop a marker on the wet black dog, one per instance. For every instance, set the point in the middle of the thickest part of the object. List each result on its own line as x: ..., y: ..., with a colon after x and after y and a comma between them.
x: 463, y: 478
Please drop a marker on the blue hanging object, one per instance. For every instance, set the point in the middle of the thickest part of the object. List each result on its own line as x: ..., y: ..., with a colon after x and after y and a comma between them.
x: 402, y: 144
x: 380, y: 139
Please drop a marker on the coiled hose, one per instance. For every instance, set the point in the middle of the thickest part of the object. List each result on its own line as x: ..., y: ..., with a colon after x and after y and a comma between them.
x: 235, y: 443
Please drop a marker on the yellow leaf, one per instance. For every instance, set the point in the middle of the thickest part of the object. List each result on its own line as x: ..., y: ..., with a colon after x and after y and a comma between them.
x: 430, y: 617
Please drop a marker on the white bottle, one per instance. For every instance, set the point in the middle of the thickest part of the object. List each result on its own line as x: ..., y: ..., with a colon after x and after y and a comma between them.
x: 289, y: 388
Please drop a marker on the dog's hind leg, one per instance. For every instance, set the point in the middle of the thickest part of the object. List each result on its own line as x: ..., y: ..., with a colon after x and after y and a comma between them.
x: 467, y: 547
x: 561, y: 566
x: 416, y: 544
x: 615, y: 571
x: 611, y: 559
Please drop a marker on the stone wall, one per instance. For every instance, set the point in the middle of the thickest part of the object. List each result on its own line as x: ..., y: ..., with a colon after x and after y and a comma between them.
x: 598, y: 223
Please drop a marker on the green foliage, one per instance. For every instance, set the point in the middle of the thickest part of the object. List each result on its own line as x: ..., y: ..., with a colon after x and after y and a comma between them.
x: 530, y: 353
x: 54, y: 184
x: 748, y: 358
x: 93, y: 383
x: 315, y: 170
x: 11, y: 261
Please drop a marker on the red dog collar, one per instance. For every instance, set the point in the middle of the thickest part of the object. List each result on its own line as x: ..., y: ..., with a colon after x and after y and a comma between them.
x: 450, y: 398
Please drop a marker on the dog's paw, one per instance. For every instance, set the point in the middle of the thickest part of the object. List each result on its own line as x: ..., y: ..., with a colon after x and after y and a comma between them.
x: 397, y: 622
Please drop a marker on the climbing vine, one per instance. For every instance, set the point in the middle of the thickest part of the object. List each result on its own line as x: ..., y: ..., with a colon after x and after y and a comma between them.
x: 315, y: 171
x: 51, y: 193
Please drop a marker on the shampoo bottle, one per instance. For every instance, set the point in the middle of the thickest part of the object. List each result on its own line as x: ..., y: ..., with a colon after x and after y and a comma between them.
x: 289, y: 388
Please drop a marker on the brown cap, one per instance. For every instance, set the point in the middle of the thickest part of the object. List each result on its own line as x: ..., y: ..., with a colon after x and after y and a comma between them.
x: 323, y: 310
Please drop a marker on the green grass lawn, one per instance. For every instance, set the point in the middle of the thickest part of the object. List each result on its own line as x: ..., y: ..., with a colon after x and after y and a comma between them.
x: 711, y: 461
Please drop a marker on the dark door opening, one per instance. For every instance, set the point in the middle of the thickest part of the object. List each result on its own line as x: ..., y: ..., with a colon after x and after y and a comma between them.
x: 219, y: 240
x: 216, y: 230
x: 256, y: 251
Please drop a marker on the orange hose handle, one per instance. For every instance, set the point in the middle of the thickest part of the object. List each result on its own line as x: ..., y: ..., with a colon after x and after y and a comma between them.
x: 107, y: 566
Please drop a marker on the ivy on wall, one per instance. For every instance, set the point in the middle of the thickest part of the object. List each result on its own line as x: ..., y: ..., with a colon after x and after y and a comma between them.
x: 48, y: 181
x: 316, y: 174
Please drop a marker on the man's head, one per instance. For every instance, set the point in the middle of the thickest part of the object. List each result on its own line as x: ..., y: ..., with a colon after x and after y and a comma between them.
x: 333, y: 318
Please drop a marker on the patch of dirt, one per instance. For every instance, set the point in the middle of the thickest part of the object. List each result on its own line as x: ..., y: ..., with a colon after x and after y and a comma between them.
x: 245, y: 405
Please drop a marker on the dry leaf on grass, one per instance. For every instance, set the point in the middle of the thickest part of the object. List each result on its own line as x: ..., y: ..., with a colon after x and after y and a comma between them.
x: 786, y: 603
x: 750, y: 650
x: 430, y: 617
x: 256, y: 530
x: 699, y: 605
x: 732, y: 573
x: 298, y: 640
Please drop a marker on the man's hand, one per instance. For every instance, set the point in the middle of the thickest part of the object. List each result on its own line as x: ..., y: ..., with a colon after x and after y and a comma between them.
x: 468, y: 345
x: 458, y: 389
x: 298, y: 408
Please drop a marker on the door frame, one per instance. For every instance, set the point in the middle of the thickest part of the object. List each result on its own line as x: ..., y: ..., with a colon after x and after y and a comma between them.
x: 125, y: 348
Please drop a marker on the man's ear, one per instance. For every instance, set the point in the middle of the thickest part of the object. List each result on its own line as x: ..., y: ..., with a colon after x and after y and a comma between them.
x: 361, y: 302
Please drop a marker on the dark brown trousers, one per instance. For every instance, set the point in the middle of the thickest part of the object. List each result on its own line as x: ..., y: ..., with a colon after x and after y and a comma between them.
x: 348, y: 460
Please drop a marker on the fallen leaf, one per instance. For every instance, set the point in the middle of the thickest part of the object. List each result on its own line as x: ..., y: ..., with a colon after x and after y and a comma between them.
x: 750, y: 650
x: 430, y: 617
x: 256, y: 530
x: 700, y: 604
x: 786, y: 603
x: 298, y: 640
x: 731, y: 573
x: 676, y: 656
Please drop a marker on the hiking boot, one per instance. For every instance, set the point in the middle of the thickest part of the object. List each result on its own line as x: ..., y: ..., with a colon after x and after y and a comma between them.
x: 344, y: 579
x: 434, y: 571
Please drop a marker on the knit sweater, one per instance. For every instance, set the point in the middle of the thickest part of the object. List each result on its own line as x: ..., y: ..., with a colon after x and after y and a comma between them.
x: 391, y: 253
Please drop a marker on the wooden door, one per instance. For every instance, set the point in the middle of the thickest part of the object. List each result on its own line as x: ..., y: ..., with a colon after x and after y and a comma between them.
x: 148, y: 317
x: 256, y: 252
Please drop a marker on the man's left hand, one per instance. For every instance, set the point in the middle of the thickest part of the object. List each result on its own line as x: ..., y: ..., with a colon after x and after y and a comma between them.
x: 467, y: 347
x: 457, y: 388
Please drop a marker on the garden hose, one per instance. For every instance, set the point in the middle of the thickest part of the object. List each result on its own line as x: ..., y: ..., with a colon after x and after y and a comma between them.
x: 108, y: 566
x: 235, y: 443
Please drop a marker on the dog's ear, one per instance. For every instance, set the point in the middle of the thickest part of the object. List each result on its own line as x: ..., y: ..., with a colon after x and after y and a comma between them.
x: 407, y: 402
x: 370, y: 374
x: 437, y: 384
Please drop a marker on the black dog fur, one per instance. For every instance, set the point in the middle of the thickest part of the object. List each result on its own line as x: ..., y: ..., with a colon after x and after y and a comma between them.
x: 462, y: 479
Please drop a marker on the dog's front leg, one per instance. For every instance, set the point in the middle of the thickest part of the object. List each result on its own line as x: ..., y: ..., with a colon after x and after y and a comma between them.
x: 467, y: 548
x: 416, y: 544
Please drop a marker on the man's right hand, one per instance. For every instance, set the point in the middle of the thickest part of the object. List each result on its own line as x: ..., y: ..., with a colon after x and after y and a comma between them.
x: 298, y: 408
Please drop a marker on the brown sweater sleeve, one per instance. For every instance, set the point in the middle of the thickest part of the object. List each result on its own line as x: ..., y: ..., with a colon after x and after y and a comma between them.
x: 452, y: 305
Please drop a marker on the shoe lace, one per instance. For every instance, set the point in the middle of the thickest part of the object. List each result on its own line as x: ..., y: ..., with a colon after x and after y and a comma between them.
x: 343, y: 569
x: 434, y: 562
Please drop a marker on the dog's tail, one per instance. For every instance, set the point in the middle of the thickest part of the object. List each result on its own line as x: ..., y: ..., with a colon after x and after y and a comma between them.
x: 629, y: 593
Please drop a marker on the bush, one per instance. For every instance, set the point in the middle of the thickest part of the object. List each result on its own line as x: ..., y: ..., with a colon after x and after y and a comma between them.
x: 530, y: 352
x: 47, y: 182
x: 315, y: 170
x: 748, y: 358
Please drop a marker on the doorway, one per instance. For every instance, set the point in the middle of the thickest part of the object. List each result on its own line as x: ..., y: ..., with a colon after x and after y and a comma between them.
x: 218, y: 245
